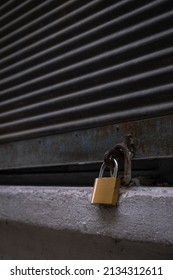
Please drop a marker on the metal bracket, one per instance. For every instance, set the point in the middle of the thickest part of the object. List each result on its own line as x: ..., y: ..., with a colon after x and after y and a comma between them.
x: 123, y: 150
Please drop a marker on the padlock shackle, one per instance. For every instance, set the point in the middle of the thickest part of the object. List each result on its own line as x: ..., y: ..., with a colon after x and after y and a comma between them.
x: 119, y: 150
x: 115, y: 172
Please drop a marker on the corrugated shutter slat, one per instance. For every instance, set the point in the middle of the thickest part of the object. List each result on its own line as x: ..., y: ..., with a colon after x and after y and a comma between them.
x: 70, y: 65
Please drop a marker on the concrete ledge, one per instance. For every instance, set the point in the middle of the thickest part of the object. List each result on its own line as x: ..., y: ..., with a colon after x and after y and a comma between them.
x: 143, y: 214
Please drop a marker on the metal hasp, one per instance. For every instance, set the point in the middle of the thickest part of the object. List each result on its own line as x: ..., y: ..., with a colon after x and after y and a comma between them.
x: 123, y: 150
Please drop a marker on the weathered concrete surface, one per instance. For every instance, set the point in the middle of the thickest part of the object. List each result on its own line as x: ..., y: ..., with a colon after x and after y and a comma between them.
x: 142, y: 223
x: 21, y: 241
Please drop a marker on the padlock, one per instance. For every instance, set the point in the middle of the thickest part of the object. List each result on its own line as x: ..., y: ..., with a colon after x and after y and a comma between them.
x: 106, y: 189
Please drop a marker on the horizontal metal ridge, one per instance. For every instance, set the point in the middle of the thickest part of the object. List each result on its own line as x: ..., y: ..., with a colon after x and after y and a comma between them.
x: 91, y: 45
x: 56, y: 86
x: 124, y: 98
x: 121, y: 103
x: 88, y: 122
x: 15, y: 9
x: 81, y: 94
x: 83, y: 78
x: 74, y: 65
x: 23, y: 16
x: 34, y: 28
x: 139, y: 59
x: 85, y: 20
x: 71, y: 40
x: 52, y: 88
x: 72, y: 14
x: 5, y: 6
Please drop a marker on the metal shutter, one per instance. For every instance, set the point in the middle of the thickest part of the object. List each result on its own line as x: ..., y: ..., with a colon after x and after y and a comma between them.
x: 73, y: 66
x: 70, y: 65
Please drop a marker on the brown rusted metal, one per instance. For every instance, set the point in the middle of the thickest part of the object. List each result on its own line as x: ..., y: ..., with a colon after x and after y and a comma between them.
x: 122, y: 150
x: 152, y: 139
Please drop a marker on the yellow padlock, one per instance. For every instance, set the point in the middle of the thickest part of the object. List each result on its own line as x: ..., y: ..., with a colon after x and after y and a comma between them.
x: 106, y: 190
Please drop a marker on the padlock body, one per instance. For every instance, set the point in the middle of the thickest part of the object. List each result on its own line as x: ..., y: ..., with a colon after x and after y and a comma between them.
x: 106, y: 190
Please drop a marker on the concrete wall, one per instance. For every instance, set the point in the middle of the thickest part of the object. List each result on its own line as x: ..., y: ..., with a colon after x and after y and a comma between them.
x: 60, y: 223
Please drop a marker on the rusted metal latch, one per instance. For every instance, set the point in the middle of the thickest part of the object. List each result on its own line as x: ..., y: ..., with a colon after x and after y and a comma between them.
x: 123, y: 150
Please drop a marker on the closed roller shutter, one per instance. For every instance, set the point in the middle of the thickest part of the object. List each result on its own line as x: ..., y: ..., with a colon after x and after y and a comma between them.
x: 72, y: 65
x: 76, y: 77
